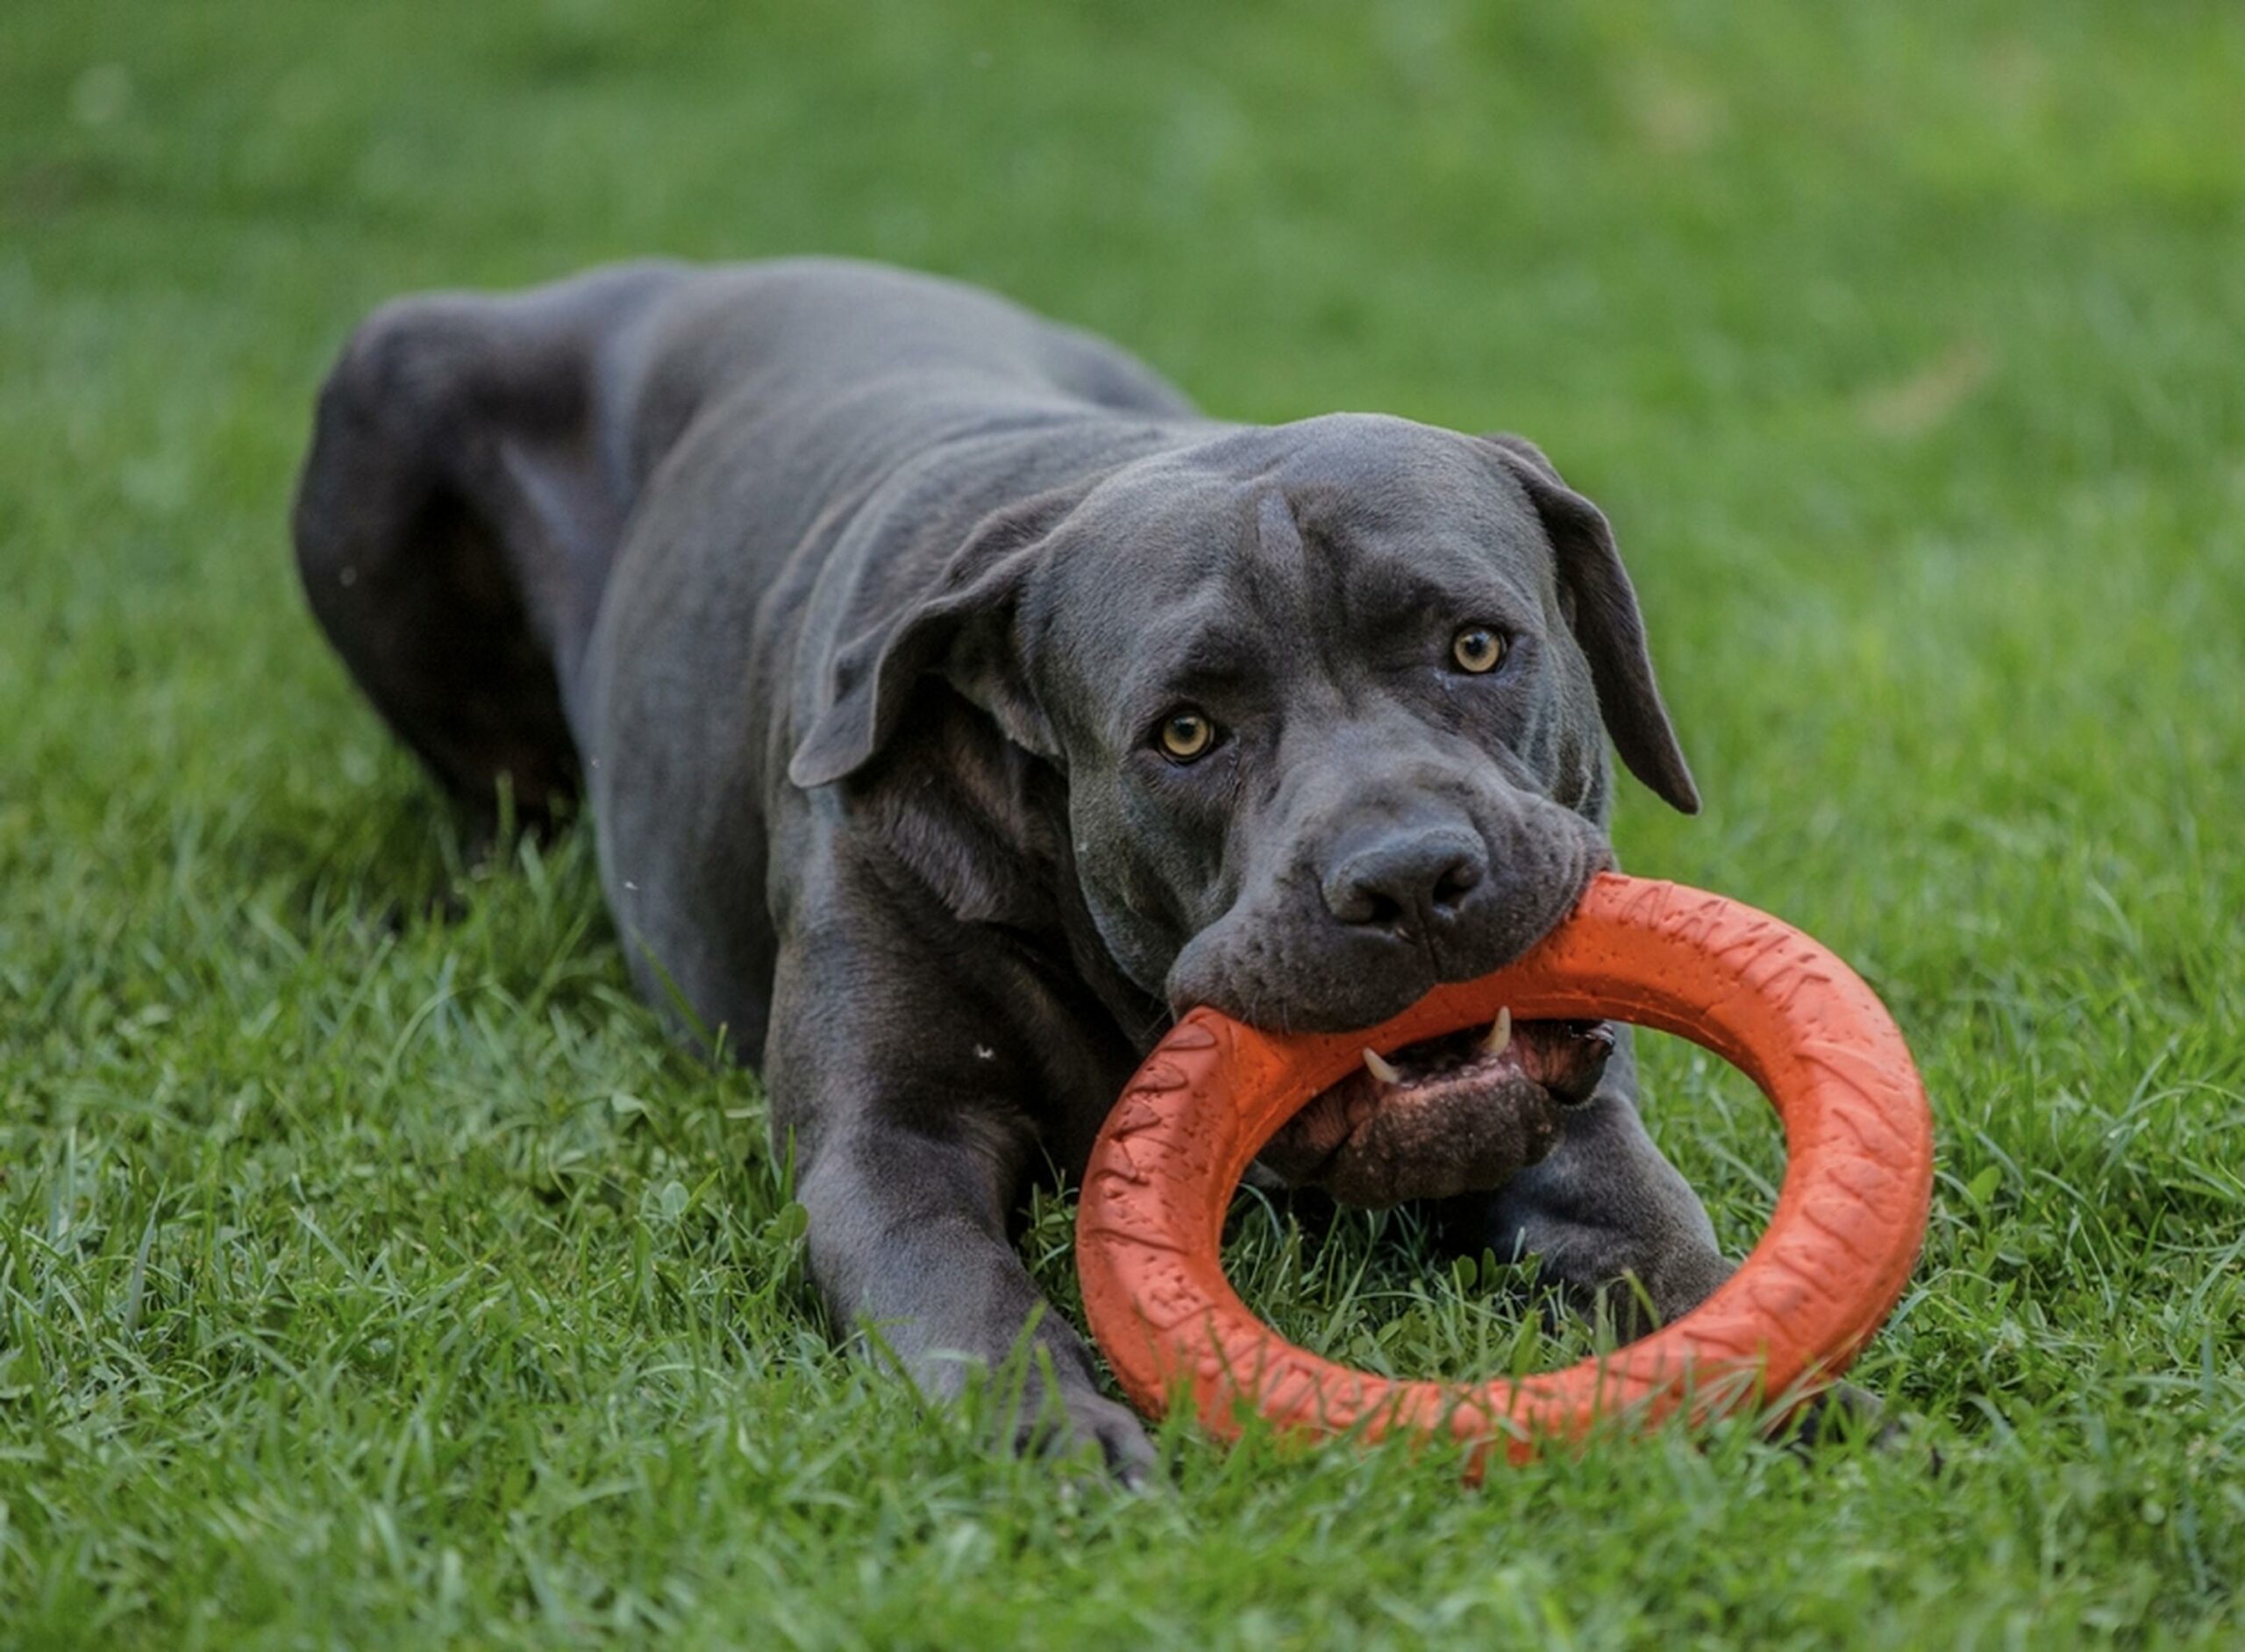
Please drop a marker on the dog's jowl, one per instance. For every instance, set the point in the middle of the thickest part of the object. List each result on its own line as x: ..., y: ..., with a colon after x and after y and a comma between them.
x: 954, y: 703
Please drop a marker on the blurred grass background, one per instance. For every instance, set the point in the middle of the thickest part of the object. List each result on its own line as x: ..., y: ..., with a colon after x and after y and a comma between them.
x: 371, y: 1272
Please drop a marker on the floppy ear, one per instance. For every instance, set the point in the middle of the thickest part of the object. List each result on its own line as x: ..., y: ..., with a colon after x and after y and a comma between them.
x: 1602, y: 607
x: 964, y: 628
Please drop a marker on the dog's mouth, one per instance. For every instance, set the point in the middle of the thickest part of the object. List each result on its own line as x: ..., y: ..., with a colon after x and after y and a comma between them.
x: 1462, y: 1112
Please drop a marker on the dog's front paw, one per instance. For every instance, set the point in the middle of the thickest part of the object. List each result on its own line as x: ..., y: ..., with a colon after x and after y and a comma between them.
x: 1078, y: 1422
x: 1844, y: 1412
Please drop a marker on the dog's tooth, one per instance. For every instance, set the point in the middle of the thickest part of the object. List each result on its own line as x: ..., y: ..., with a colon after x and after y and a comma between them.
x: 1500, y: 1037
x: 1380, y: 1068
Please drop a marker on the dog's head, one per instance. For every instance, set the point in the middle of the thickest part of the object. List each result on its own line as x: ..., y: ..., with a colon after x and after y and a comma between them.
x: 1330, y: 699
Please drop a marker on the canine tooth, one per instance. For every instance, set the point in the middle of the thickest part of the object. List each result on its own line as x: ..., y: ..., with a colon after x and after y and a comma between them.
x: 1380, y: 1068
x: 1500, y: 1038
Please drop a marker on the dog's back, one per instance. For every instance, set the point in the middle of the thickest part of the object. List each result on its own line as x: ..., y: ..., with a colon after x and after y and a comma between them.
x: 478, y: 460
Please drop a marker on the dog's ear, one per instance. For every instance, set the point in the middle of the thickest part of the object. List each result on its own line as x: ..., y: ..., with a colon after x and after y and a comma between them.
x: 966, y: 629
x: 1602, y: 607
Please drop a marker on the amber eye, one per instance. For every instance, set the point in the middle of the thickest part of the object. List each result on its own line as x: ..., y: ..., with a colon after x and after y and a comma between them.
x: 1187, y: 734
x: 1477, y: 648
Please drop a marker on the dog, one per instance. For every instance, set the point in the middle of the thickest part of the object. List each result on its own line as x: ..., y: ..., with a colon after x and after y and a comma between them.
x: 955, y: 704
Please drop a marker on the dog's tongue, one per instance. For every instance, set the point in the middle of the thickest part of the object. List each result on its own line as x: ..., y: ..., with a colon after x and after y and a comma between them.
x: 1461, y: 1114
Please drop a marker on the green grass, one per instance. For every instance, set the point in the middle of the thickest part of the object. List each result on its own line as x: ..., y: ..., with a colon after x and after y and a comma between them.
x: 372, y: 1271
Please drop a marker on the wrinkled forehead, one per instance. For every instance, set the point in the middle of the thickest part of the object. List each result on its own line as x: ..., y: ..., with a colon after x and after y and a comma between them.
x: 1217, y: 558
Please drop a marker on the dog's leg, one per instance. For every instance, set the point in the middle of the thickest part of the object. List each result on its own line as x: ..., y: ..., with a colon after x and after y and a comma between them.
x: 898, y: 1082
x: 1612, y: 1223
x: 455, y: 523
x: 1605, y: 1216
x: 908, y: 1241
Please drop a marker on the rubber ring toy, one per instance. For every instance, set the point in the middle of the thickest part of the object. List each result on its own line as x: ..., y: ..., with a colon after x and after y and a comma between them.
x: 1850, y: 1214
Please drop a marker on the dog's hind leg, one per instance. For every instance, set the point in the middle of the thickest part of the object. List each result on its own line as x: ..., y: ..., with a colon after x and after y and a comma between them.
x: 468, y: 485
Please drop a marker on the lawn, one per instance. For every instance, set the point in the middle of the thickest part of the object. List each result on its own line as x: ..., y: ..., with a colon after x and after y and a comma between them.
x: 371, y: 1270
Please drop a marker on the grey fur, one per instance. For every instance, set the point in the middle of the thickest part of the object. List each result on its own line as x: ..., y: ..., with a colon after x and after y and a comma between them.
x: 850, y: 599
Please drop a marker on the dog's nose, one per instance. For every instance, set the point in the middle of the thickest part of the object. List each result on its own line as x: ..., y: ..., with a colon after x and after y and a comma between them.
x: 1426, y: 875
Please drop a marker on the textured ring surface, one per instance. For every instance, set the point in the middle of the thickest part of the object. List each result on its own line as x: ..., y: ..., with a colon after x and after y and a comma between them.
x: 1850, y: 1218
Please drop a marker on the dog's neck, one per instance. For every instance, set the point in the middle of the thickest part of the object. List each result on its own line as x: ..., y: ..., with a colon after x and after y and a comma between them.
x: 981, y: 827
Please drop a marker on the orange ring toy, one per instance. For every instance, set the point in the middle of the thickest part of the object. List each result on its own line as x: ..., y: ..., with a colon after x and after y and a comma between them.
x: 1850, y: 1215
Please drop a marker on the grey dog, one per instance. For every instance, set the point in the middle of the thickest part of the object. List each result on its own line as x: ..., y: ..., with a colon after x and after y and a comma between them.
x: 955, y: 703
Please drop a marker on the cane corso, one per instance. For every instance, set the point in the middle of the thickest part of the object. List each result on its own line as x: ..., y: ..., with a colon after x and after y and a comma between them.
x: 955, y: 703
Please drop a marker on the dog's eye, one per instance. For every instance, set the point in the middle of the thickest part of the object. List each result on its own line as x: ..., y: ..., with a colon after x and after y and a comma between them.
x: 1185, y: 734
x: 1477, y: 648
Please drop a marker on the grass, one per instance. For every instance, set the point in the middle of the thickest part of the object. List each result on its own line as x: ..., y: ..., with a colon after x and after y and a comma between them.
x: 372, y: 1271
